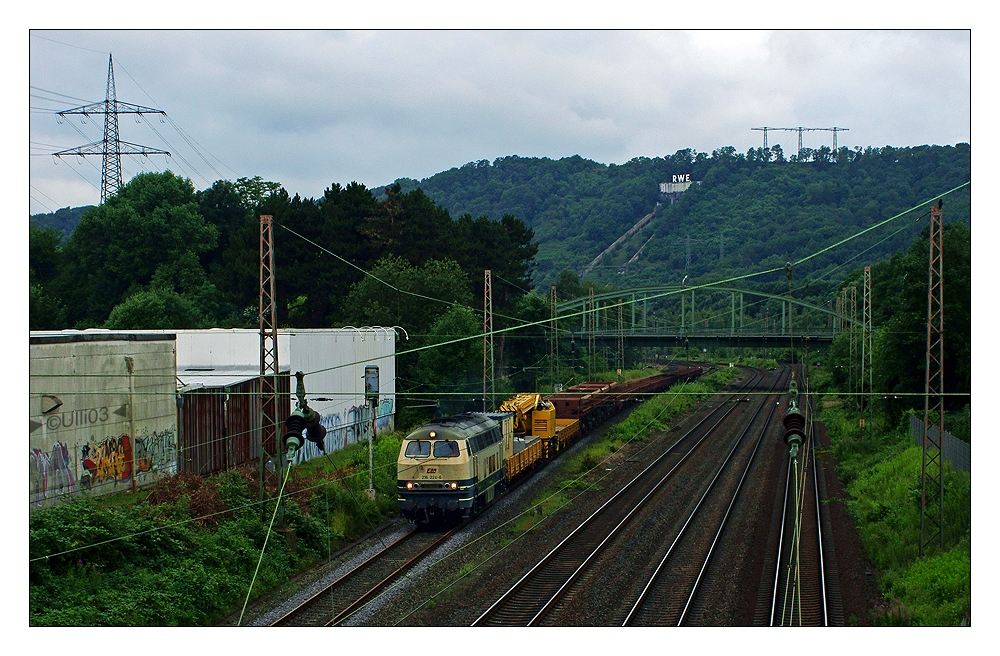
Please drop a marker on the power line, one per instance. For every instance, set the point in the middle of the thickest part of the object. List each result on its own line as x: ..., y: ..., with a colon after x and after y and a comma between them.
x: 63, y: 43
x: 42, y: 193
x: 56, y: 93
x: 191, y: 142
x: 182, y: 158
x: 41, y: 203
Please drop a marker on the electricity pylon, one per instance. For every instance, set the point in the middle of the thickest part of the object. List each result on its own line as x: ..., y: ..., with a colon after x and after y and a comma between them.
x: 800, y: 130
x: 111, y: 148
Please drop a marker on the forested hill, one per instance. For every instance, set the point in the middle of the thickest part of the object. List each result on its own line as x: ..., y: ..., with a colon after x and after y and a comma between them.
x: 747, y: 212
x: 64, y: 220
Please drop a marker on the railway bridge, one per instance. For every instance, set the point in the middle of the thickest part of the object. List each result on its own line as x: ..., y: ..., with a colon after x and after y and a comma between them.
x: 695, y: 317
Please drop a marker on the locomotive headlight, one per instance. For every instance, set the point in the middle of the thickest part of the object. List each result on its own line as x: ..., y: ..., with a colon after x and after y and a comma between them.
x: 454, y: 485
x: 432, y: 434
x: 409, y: 485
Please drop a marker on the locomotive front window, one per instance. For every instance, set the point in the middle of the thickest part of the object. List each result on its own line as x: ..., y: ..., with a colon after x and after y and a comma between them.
x: 446, y: 449
x: 418, y: 449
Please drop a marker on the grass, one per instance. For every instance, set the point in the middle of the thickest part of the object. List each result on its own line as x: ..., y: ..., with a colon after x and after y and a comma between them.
x: 882, y: 471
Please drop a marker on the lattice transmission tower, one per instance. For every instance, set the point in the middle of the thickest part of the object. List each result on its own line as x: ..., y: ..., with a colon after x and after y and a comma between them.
x: 800, y: 130
x: 553, y: 339
x: 111, y: 148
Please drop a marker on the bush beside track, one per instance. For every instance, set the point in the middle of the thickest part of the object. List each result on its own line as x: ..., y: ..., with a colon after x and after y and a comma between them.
x: 184, y: 554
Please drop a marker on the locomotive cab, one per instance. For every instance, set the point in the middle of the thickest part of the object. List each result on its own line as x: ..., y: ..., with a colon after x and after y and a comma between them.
x: 448, y: 470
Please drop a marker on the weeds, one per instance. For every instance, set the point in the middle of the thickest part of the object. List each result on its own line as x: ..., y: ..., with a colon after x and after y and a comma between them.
x: 883, y: 473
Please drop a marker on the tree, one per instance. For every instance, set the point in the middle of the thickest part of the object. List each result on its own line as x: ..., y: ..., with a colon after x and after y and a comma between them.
x: 397, y: 293
x: 150, y: 231
x: 254, y: 191
x: 454, y: 369
x: 899, y: 314
x: 154, y: 309
x: 222, y: 206
x: 902, y: 281
x: 414, y: 298
x: 45, y: 311
x: 43, y: 254
x: 520, y: 352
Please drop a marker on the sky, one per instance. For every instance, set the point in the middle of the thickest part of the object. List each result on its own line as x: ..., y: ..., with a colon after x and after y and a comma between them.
x: 309, y: 108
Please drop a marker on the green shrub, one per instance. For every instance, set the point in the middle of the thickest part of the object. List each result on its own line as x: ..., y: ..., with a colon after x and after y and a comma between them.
x: 165, y: 562
x: 885, y: 501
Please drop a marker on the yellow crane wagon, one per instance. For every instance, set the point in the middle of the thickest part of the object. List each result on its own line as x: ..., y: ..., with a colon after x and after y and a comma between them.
x: 535, y: 421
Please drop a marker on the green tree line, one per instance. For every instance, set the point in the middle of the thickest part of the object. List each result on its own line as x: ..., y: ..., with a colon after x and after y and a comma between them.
x: 878, y: 461
x: 160, y: 254
x: 899, y: 322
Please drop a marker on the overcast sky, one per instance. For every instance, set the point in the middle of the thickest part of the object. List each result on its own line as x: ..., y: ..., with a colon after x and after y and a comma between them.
x: 310, y: 108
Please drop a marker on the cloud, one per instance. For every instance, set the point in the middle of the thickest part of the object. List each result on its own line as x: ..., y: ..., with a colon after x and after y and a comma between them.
x: 307, y: 108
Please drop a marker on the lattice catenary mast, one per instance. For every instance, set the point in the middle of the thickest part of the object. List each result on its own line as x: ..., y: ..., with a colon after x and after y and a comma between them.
x: 866, y: 344
x: 553, y: 339
x: 268, y: 350
x: 488, y: 363
x: 932, y: 491
x: 111, y: 148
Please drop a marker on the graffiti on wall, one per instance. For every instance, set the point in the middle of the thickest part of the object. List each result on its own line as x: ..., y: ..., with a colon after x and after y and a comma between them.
x: 155, y: 454
x: 50, y: 474
x: 107, y: 461
x: 384, y: 414
x: 110, y: 460
x: 349, y: 426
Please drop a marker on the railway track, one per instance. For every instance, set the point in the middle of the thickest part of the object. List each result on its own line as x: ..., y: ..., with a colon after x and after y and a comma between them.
x: 337, y: 601
x: 682, y: 583
x: 801, y: 590
x: 533, y: 598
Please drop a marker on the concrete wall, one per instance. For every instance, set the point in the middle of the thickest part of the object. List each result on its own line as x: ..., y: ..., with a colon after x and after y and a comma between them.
x: 93, y: 426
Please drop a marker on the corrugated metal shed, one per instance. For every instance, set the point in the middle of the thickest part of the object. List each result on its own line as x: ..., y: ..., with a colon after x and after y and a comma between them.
x: 220, y: 424
x: 218, y: 379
